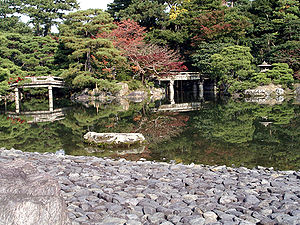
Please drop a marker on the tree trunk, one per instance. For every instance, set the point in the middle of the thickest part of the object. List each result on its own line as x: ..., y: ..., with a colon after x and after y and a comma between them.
x: 87, y: 65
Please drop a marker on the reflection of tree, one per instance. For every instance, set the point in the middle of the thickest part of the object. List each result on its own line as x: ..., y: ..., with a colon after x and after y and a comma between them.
x: 191, y: 147
x: 279, y: 143
x: 16, y: 134
x: 231, y: 122
x: 278, y: 114
x: 231, y: 133
x: 227, y: 133
x: 109, y: 118
x: 35, y: 104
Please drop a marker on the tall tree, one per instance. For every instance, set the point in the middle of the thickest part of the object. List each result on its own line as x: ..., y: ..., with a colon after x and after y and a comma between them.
x: 92, y: 57
x: 25, y: 55
x: 147, y: 60
x: 276, y: 32
x: 116, y: 6
x: 43, y: 14
x: 9, y: 22
x: 233, y: 68
x: 149, y: 13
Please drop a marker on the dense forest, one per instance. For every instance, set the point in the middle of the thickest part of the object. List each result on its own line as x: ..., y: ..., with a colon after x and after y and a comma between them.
x: 140, y: 40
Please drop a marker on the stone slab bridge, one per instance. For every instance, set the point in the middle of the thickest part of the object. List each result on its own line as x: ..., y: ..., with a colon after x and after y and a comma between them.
x: 40, y: 116
x: 179, y: 107
x: 185, y: 76
x: 38, y: 82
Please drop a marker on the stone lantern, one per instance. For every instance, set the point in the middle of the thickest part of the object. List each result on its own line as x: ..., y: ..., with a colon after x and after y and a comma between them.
x: 264, y: 67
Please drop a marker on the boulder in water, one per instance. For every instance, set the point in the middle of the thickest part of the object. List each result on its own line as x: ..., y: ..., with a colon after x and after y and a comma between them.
x: 114, y: 139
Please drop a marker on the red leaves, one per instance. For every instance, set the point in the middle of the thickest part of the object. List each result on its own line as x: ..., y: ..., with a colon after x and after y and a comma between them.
x: 106, y: 70
x: 212, y: 25
x: 146, y: 59
x: 14, y: 80
x: 15, y: 120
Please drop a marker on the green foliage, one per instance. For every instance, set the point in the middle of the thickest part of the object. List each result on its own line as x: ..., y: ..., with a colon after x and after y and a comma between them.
x: 261, y: 79
x: 135, y: 84
x: 201, y: 56
x: 90, y: 56
x: 275, y: 24
x: 44, y: 14
x: 147, y: 13
x: 288, y: 52
x: 233, y: 67
x: 108, y: 86
x: 281, y: 74
x: 116, y: 6
x: 13, y: 24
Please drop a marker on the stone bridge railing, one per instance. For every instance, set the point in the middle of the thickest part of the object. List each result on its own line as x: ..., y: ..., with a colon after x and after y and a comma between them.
x: 43, y: 81
x: 181, y: 76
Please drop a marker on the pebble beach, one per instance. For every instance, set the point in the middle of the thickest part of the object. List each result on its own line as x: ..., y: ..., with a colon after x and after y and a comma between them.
x: 104, y: 191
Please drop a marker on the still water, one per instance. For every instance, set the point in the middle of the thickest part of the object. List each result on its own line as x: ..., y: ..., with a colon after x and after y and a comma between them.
x: 225, y: 132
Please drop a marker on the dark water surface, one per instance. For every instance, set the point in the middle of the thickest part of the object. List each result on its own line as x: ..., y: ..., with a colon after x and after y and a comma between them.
x: 216, y: 133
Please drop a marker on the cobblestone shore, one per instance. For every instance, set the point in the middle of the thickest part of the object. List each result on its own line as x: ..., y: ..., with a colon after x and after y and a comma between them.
x: 114, y: 192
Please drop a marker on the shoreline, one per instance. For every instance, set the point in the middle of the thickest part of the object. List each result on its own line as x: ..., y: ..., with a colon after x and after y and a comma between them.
x: 108, y: 191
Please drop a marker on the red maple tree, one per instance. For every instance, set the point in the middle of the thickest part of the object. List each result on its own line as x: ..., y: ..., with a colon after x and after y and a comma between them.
x: 146, y: 59
x: 212, y: 25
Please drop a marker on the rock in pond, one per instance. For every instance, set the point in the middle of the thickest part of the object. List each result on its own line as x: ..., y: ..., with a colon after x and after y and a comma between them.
x: 266, y: 90
x: 114, y: 139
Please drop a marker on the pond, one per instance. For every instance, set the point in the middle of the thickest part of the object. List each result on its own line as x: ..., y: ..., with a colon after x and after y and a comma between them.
x: 224, y: 132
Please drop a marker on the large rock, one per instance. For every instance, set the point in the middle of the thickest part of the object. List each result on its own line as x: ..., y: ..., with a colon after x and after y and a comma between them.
x: 264, y: 91
x: 124, y: 89
x: 137, y: 96
x: 114, y: 139
x: 157, y: 93
x: 28, y: 197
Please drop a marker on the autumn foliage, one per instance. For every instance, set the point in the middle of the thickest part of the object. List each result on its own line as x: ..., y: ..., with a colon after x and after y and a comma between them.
x: 212, y: 25
x: 146, y: 59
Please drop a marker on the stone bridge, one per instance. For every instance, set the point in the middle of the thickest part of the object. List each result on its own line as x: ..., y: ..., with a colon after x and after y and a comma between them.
x: 197, y: 77
x: 40, y: 116
x: 179, y: 107
x: 38, y: 82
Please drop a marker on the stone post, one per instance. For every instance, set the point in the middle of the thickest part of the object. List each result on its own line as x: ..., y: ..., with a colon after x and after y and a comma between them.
x: 215, y: 88
x: 171, y: 88
x: 201, y: 89
x: 5, y: 104
x: 17, y: 100
x: 194, y: 86
x: 194, y: 89
x: 50, y: 98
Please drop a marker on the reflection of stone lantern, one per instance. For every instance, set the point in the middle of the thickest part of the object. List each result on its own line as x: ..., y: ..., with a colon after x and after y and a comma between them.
x: 264, y: 67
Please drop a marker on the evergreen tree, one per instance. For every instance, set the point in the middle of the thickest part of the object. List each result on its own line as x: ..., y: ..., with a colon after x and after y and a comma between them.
x: 93, y: 57
x: 149, y: 13
x: 116, y: 6
x: 233, y: 68
x: 43, y: 14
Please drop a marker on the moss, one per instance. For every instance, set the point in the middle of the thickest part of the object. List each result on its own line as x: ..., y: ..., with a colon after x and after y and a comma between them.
x: 117, y: 146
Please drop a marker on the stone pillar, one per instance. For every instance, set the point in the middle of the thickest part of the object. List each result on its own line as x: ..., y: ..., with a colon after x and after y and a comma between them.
x: 201, y: 89
x: 171, y: 88
x: 215, y: 88
x: 195, y: 90
x: 5, y: 104
x: 194, y: 86
x: 17, y: 100
x: 50, y: 98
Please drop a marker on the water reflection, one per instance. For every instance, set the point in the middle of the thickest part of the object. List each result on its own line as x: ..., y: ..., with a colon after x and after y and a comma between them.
x: 238, y: 133
x: 227, y: 132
